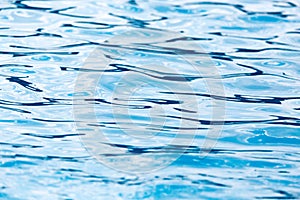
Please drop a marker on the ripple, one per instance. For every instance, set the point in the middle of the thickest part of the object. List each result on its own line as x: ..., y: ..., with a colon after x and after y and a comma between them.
x: 47, y: 58
x: 151, y: 96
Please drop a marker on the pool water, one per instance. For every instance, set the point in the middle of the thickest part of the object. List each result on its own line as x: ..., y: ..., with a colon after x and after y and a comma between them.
x: 149, y: 99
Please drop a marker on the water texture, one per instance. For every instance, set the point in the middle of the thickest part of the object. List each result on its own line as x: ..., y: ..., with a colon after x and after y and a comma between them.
x: 255, y: 47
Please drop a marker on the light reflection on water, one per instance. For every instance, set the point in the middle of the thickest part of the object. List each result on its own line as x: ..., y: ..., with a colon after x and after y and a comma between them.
x: 253, y: 44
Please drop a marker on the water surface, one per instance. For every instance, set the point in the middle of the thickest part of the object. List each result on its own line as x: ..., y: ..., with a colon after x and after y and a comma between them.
x: 255, y: 45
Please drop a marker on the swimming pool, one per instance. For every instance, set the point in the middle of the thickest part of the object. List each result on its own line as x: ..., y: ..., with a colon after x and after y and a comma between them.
x: 149, y: 99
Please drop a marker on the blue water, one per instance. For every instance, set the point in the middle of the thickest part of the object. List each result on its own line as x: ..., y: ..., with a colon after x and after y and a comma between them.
x: 146, y: 120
